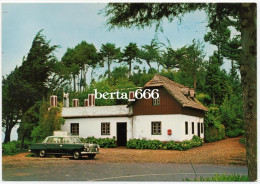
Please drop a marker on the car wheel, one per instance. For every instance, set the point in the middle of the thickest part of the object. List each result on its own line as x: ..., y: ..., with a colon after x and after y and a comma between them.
x: 42, y: 153
x: 76, y: 155
x: 92, y: 156
x: 58, y: 156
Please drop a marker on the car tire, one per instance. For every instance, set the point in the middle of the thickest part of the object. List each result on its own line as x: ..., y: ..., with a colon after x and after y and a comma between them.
x: 92, y: 156
x: 58, y: 156
x: 76, y: 155
x: 42, y: 153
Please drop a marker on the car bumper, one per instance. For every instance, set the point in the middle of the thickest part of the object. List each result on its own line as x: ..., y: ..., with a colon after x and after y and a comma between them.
x: 88, y: 153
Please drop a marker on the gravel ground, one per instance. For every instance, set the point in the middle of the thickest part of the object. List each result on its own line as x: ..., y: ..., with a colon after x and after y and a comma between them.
x: 224, y: 152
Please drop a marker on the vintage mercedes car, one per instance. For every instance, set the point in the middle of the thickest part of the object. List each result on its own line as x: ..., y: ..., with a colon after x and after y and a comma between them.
x: 66, y: 145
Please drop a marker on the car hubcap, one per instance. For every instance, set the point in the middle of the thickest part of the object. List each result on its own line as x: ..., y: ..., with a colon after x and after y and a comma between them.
x: 76, y: 155
x: 42, y: 153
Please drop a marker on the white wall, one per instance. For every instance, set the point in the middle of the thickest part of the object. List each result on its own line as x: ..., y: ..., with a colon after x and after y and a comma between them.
x: 97, y: 111
x: 142, y: 127
x: 92, y: 126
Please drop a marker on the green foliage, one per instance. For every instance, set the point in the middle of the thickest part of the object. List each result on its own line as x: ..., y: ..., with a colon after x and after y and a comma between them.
x: 214, y: 133
x: 205, y: 99
x: 30, y: 119
x: 49, y: 121
x: 38, y: 65
x: 171, y: 145
x: 242, y: 140
x: 150, y: 53
x: 129, y: 55
x: 232, y: 115
x: 224, y: 177
x: 234, y: 133
x: 144, y: 144
x: 102, y: 142
x: 11, y: 148
x: 109, y: 54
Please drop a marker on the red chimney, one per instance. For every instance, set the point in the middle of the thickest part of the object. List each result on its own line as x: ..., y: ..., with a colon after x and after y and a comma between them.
x: 131, y: 96
x: 75, y: 102
x: 86, y: 103
x: 53, y: 101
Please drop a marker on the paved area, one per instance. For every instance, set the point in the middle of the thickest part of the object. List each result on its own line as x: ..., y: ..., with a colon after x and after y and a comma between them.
x: 119, y: 172
x: 122, y: 164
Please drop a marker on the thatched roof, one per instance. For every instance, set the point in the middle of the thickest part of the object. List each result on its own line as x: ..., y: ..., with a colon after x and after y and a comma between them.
x: 178, y: 91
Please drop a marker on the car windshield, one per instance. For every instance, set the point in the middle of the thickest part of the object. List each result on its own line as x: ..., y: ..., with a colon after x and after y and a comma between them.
x: 45, y: 140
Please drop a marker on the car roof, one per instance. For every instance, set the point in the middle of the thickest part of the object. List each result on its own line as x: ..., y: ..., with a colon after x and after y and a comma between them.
x: 63, y: 136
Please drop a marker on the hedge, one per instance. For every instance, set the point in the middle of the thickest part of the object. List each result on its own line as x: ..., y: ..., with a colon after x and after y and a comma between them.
x: 234, y: 133
x: 214, y: 134
x: 171, y: 145
x: 103, y: 142
x: 14, y: 147
x: 11, y: 148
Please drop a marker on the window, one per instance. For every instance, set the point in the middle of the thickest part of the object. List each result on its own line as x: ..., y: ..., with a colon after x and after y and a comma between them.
x: 186, y: 127
x: 156, y: 128
x: 52, y: 140
x: 74, y: 128
x: 156, y: 101
x: 105, y: 128
x: 192, y: 124
x: 202, y: 128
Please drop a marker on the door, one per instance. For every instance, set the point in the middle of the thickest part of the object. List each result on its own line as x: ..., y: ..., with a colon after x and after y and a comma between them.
x: 121, y: 134
x: 198, y: 129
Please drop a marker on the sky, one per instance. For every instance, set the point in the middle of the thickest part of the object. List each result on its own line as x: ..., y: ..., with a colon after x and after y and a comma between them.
x: 69, y: 24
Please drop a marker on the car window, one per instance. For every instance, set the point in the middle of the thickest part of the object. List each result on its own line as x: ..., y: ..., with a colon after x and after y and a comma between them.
x: 52, y: 140
x: 61, y: 140
x: 72, y: 140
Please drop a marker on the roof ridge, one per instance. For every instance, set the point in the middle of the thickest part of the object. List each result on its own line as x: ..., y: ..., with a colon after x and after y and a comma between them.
x: 165, y: 79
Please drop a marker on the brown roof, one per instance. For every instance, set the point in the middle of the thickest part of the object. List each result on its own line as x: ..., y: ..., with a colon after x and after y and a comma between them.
x: 176, y: 90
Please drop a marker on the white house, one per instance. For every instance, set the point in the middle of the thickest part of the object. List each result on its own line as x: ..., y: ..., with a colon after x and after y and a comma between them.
x: 176, y: 115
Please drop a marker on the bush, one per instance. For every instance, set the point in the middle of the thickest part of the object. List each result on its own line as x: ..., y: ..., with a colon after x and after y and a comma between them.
x: 224, y: 177
x: 144, y: 144
x: 11, y: 148
x: 234, y: 133
x: 242, y: 140
x: 103, y: 142
x: 171, y: 145
x: 214, y: 133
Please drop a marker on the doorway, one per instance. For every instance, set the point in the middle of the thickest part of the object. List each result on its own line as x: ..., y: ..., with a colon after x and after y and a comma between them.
x: 121, y: 134
x: 198, y: 129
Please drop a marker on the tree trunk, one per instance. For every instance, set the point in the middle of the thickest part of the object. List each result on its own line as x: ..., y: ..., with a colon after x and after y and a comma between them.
x: 7, y: 134
x: 108, y: 69
x: 92, y: 75
x: 22, y: 141
x: 130, y: 69
x: 248, y: 78
x: 74, y: 82
x: 195, y: 81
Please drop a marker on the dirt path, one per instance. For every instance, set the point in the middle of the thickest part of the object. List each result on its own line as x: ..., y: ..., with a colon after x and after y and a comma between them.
x: 224, y: 152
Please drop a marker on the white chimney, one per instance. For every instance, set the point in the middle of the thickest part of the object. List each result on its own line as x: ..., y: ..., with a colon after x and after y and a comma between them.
x: 53, y: 101
x: 66, y: 101
x: 91, y: 99
x: 75, y: 102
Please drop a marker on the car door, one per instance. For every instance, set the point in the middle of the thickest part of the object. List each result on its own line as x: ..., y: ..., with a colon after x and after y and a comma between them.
x: 52, y: 145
